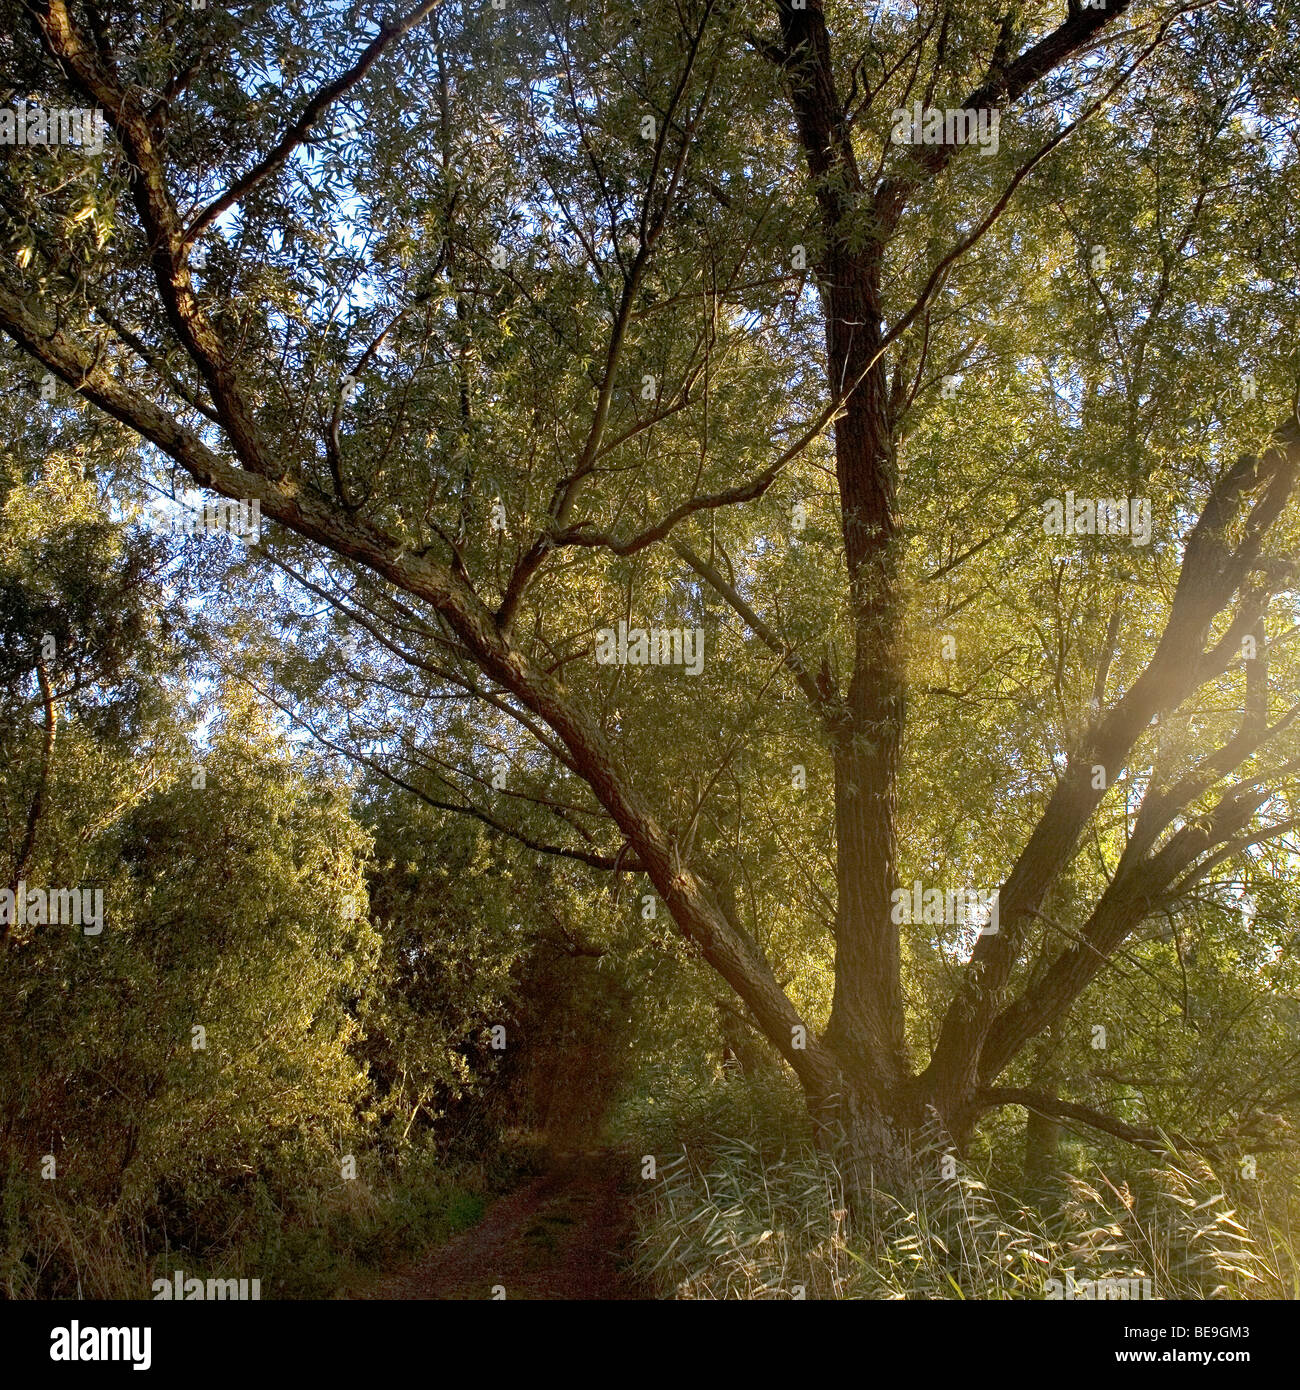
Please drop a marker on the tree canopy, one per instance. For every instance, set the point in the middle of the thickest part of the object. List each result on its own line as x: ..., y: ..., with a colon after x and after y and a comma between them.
x: 794, y: 464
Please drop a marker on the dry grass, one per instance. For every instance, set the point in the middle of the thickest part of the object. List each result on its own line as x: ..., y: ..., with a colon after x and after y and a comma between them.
x: 727, y: 1220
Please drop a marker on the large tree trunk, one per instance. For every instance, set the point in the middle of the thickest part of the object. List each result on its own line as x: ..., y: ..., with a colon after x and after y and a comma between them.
x: 883, y: 1142
x: 882, y: 1102
x: 866, y: 1029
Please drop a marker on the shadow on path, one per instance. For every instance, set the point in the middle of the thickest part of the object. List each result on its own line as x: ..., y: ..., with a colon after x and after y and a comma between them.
x: 562, y: 1236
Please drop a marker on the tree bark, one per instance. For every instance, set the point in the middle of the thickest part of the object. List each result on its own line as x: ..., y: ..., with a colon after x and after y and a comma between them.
x: 867, y: 1024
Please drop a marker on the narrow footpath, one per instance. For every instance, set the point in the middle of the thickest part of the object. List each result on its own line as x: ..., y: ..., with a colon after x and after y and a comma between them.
x: 564, y: 1235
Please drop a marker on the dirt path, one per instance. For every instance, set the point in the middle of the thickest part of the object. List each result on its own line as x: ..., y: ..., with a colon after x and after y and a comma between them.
x: 562, y: 1236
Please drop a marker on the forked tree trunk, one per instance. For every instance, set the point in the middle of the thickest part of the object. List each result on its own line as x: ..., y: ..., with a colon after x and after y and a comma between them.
x: 877, y: 1106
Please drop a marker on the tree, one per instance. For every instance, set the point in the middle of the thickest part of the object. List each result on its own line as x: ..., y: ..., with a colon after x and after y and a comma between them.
x: 502, y: 311
x: 195, y: 1021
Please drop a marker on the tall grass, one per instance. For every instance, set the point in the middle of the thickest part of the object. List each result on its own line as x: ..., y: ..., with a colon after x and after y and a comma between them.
x: 747, y: 1208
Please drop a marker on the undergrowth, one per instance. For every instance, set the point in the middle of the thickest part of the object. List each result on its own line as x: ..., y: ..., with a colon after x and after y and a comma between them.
x: 744, y: 1206
x: 317, y: 1238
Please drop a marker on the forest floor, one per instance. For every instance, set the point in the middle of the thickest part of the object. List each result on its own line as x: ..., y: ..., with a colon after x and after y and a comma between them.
x: 564, y: 1235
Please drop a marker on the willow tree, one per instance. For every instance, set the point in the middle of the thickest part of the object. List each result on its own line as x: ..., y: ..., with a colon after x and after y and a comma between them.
x: 521, y: 320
